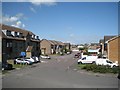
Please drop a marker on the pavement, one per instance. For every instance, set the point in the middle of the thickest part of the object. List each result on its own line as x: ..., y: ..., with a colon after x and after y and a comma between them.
x: 57, y: 72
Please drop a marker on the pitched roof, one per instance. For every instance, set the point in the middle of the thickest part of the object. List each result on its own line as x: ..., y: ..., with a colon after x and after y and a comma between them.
x: 106, y: 38
x: 11, y: 28
x: 53, y: 42
x: 113, y: 38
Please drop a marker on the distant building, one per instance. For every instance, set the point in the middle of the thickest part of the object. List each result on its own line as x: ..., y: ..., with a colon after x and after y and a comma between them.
x: 16, y: 40
x: 51, y: 46
x: 74, y: 48
x: 113, y: 46
x: 68, y: 46
x: 94, y: 46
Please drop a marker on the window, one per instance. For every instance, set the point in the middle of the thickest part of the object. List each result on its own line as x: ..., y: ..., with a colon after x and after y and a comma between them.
x: 8, y: 33
x: 84, y: 58
x: 9, y: 44
x: 28, y: 43
x: 105, y: 46
x: 109, y: 61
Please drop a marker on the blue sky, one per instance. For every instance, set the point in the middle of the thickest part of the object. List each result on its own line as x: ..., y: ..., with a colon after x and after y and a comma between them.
x: 75, y: 22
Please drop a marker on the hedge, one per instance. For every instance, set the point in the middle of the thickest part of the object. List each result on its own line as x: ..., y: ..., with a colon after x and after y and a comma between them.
x: 99, y: 68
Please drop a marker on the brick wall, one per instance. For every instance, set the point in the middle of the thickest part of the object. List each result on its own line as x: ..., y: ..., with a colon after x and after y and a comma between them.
x: 45, y: 45
x: 114, y: 49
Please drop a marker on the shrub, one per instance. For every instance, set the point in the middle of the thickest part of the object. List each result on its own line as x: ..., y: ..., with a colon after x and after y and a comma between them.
x: 99, y: 68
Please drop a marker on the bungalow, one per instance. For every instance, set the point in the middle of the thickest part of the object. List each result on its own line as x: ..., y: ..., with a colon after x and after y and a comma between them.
x: 16, y: 40
x: 114, y: 49
x: 51, y: 46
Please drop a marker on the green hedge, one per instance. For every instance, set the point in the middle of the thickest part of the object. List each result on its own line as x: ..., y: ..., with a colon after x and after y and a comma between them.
x: 98, y: 68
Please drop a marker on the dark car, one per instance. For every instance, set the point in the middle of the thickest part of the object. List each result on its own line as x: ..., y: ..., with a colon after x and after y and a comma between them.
x: 78, y: 55
x: 7, y: 66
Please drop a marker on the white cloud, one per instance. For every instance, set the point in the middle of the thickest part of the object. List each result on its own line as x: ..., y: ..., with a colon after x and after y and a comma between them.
x: 45, y: 2
x: 18, y: 24
x: 13, y: 20
x: 8, y: 19
x: 32, y: 9
x: 23, y: 25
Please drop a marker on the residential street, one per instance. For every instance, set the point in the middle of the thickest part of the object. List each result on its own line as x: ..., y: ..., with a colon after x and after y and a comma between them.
x: 58, y: 72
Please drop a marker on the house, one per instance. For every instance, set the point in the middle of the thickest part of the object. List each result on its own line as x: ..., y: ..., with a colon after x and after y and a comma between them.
x: 103, y: 45
x: 113, y: 46
x: 94, y: 46
x: 16, y: 40
x: 68, y: 46
x: 74, y: 47
x: 51, y: 46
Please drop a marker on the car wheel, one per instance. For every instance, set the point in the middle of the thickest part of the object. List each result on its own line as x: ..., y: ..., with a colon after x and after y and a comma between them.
x: 93, y: 62
x: 79, y: 62
x: 114, y: 66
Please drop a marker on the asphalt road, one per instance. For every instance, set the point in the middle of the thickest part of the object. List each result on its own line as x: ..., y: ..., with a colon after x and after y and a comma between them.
x: 59, y: 72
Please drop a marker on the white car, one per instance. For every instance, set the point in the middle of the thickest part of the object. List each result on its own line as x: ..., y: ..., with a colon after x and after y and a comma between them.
x: 87, y: 60
x: 22, y: 61
x: 106, y: 62
x: 45, y: 56
x: 29, y: 59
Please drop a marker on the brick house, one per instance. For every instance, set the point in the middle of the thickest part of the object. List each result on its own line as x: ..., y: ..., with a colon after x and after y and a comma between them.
x: 51, y: 46
x: 114, y: 49
x: 103, y: 45
x: 16, y: 40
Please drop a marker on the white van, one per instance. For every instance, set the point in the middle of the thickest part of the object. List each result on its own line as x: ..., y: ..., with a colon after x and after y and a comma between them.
x: 88, y: 59
x: 106, y: 62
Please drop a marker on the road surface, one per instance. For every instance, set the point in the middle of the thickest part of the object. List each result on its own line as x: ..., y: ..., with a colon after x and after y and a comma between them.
x: 59, y: 72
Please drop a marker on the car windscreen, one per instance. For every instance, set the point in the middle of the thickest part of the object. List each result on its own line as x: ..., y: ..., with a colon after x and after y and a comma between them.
x: 109, y: 61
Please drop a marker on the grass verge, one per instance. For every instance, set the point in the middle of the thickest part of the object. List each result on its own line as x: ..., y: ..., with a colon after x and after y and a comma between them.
x: 99, y: 68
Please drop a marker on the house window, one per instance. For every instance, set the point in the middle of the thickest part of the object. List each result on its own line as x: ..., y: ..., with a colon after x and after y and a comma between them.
x: 20, y: 35
x: 9, y: 44
x: 15, y: 34
x: 8, y: 33
x: 28, y: 43
x: 105, y: 46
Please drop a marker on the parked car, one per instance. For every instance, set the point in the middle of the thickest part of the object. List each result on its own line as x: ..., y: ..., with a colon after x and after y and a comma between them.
x: 77, y: 55
x: 37, y: 59
x: 68, y: 53
x: 87, y: 60
x: 106, y: 62
x: 7, y: 66
x: 45, y: 56
x: 30, y: 59
x: 22, y: 61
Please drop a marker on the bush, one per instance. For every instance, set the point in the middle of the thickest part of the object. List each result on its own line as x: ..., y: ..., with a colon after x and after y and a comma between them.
x: 99, y: 68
